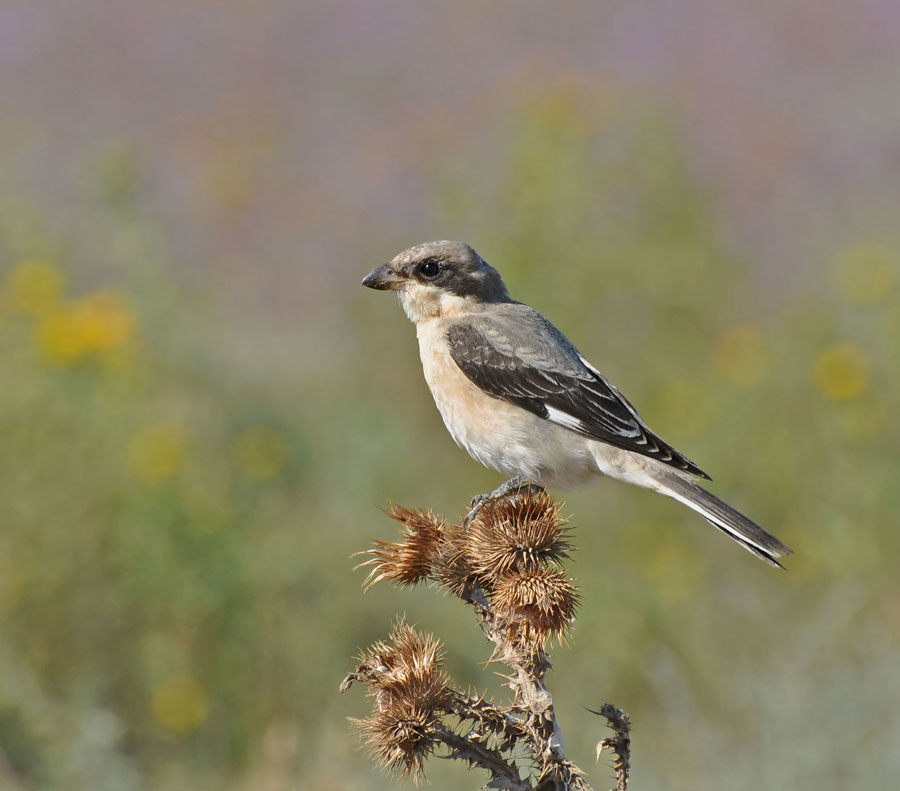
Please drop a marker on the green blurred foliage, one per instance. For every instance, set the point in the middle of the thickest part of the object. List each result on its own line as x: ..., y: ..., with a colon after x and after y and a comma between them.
x: 180, y: 512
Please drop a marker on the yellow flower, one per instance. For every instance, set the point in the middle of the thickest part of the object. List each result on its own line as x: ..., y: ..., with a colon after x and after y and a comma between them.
x: 865, y: 273
x: 841, y: 372
x: 104, y: 320
x: 180, y: 704
x: 260, y: 452
x: 741, y: 355
x: 58, y: 339
x: 156, y: 452
x: 35, y: 287
x: 95, y: 325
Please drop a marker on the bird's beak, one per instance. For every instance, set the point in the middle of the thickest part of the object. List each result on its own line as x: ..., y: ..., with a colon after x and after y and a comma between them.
x: 383, y: 279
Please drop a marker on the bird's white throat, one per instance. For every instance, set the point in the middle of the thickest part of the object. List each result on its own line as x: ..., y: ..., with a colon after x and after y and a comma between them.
x: 421, y: 302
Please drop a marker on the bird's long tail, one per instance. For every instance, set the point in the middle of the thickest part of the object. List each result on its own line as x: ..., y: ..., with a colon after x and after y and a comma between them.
x: 721, y: 515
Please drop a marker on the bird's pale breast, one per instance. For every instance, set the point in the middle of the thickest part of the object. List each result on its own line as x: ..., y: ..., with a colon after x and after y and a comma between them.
x: 500, y: 435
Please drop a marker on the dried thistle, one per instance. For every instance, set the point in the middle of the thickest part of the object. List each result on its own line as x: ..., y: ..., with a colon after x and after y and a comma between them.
x: 453, y: 569
x: 401, y: 734
x: 408, y: 659
x: 537, y: 604
x: 503, y: 564
x: 404, y: 677
x: 409, y: 561
x: 521, y: 533
x: 420, y: 655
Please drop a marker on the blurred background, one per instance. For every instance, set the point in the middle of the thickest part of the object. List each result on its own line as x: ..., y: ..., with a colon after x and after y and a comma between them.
x: 201, y: 412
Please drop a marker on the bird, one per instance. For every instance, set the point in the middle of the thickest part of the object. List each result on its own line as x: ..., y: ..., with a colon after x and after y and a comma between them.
x: 516, y: 394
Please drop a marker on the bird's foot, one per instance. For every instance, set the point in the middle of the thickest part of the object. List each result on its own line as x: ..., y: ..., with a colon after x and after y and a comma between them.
x: 512, y: 488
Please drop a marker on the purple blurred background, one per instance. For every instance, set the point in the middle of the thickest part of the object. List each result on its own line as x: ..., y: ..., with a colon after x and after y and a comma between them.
x: 289, y: 145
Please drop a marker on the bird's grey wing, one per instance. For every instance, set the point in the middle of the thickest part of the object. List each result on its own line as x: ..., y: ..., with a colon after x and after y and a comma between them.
x: 520, y: 357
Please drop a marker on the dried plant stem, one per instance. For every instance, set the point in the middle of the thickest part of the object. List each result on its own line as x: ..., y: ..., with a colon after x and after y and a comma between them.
x: 620, y: 744
x: 539, y: 727
x: 474, y: 751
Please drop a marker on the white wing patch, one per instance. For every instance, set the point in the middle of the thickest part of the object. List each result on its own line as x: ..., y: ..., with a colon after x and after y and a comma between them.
x: 563, y: 418
x: 558, y: 416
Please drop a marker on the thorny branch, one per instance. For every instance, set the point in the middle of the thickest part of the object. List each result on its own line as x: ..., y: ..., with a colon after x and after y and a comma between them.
x: 620, y: 744
x: 506, y: 564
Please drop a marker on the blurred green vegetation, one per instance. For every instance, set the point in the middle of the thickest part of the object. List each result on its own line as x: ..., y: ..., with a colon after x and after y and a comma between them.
x: 183, y: 489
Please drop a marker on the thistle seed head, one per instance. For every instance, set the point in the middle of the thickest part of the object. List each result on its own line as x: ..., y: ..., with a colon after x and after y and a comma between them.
x: 410, y: 560
x: 410, y: 692
x: 408, y: 658
x: 522, y: 533
x: 400, y: 734
x: 537, y: 605
x: 453, y: 567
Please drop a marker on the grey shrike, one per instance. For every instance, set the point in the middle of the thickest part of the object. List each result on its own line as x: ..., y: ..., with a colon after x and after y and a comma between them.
x: 521, y: 399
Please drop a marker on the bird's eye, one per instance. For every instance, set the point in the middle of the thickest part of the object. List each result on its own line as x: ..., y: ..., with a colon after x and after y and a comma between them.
x: 430, y: 269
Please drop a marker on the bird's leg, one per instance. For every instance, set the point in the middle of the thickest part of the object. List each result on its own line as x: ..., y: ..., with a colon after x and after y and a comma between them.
x: 512, y: 487
x: 517, y: 485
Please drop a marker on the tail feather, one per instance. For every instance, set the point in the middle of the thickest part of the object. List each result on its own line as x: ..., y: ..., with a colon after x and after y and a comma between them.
x: 731, y: 522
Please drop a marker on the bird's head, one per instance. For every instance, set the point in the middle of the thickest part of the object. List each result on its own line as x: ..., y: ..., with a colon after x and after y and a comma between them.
x: 439, y: 279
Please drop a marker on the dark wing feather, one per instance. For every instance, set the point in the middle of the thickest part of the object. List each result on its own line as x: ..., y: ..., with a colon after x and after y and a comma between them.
x: 549, y: 378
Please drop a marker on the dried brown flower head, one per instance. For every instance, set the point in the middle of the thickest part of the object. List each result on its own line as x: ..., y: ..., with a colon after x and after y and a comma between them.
x: 452, y: 567
x: 409, y: 561
x: 521, y: 533
x: 410, y: 691
x: 409, y: 658
x: 401, y: 733
x: 420, y: 654
x: 537, y: 604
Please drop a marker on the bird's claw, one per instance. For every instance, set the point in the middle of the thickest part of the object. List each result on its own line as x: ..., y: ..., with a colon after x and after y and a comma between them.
x: 475, y: 506
x: 512, y: 488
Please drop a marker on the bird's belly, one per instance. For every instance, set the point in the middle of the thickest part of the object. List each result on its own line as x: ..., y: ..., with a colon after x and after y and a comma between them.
x: 500, y: 435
